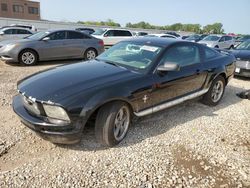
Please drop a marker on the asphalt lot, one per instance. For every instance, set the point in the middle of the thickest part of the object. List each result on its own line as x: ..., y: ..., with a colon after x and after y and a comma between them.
x: 190, y: 145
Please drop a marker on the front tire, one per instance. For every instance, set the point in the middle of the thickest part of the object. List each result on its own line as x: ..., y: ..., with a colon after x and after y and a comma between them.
x: 215, y: 92
x: 28, y: 57
x: 112, y: 123
x: 90, y: 54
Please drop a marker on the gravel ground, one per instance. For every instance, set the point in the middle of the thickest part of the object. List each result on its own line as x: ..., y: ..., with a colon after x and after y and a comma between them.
x: 190, y: 145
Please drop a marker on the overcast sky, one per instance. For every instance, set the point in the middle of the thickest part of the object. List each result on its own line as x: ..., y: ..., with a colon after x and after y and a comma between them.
x: 233, y: 14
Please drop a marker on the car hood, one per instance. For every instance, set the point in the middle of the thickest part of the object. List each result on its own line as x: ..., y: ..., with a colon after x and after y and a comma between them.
x: 242, y: 54
x: 62, y: 82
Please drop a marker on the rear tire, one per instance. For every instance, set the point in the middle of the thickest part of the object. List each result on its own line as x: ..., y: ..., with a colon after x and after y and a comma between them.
x: 112, y: 123
x: 215, y: 92
x: 90, y: 54
x: 28, y: 57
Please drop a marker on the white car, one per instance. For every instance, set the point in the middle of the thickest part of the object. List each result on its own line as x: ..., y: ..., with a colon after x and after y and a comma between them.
x: 218, y: 41
x: 163, y: 35
x: 13, y: 33
x: 112, y: 36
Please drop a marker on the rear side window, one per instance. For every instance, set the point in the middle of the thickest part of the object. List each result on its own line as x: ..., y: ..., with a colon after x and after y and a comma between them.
x: 210, y: 54
x: 183, y: 55
x: 76, y: 35
x: 122, y: 33
x: 23, y: 32
x: 118, y: 33
x: 8, y: 32
x: 59, y: 35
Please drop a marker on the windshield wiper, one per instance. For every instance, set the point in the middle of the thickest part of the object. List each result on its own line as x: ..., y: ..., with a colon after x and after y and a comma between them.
x: 108, y: 62
x: 112, y: 63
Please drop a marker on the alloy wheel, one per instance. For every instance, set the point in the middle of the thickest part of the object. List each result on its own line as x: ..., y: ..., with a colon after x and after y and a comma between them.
x: 122, y: 121
x: 91, y: 54
x: 217, y: 91
x: 28, y: 58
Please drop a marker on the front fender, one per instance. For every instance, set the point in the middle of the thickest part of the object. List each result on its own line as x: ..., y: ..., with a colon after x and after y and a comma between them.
x: 103, y: 97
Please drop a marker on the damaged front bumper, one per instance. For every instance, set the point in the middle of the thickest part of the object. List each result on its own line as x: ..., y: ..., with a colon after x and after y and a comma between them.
x: 61, y: 134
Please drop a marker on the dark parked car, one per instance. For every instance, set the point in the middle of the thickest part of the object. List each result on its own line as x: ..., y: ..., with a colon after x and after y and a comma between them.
x: 136, y: 77
x: 242, y: 54
x: 196, y: 38
x: 88, y: 31
x: 51, y: 45
x: 173, y: 33
x: 184, y: 37
x: 241, y: 39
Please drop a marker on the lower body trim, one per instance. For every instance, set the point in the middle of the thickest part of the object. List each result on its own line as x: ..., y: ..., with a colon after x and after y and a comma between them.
x: 170, y: 103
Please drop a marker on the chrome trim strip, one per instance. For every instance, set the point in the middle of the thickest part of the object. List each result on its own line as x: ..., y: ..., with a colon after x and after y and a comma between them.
x: 170, y: 104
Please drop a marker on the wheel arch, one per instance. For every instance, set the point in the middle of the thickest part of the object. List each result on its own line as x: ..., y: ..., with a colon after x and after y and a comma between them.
x: 29, y: 49
x: 91, y: 114
x: 91, y: 48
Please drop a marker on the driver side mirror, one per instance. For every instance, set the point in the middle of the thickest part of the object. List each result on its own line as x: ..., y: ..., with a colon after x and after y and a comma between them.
x: 46, y: 39
x: 168, y: 66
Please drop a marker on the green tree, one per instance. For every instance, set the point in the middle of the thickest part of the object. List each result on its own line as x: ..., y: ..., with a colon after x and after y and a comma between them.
x: 109, y: 22
x: 216, y: 28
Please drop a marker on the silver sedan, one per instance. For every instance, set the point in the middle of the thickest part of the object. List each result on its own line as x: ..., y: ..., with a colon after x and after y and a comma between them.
x: 51, y: 45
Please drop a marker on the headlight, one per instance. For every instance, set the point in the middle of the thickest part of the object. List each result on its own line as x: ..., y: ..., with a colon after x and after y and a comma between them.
x: 56, y: 112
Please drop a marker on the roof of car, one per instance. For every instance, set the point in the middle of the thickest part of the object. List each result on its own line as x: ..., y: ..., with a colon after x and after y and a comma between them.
x: 157, y: 41
x: 55, y: 30
x: 5, y: 28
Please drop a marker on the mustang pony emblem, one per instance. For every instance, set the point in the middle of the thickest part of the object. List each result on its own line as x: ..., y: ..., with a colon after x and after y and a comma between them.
x: 145, y: 98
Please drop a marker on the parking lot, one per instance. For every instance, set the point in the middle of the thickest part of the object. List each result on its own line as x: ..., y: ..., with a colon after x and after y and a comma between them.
x: 189, y: 145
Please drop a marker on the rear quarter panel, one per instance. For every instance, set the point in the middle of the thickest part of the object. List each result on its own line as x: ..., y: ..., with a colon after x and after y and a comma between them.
x: 223, y: 64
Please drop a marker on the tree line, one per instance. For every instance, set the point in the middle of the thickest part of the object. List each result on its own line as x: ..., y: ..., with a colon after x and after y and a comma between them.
x: 216, y: 28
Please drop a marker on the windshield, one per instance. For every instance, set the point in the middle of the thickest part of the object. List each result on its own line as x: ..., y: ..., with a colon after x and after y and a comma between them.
x: 38, y: 36
x: 211, y: 38
x: 244, y: 46
x: 193, y: 37
x: 99, y: 32
x: 133, y: 56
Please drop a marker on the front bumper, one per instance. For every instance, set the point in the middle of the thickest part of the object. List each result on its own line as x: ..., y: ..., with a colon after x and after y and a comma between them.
x: 242, y: 69
x: 243, y: 72
x: 8, y: 56
x: 48, y: 131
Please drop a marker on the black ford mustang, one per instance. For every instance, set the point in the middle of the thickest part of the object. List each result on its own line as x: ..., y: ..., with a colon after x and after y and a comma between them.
x: 136, y: 77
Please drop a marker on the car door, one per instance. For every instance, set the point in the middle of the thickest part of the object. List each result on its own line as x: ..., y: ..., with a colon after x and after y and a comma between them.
x: 54, y: 47
x: 222, y: 43
x: 188, y: 80
x: 76, y: 44
x: 229, y: 42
